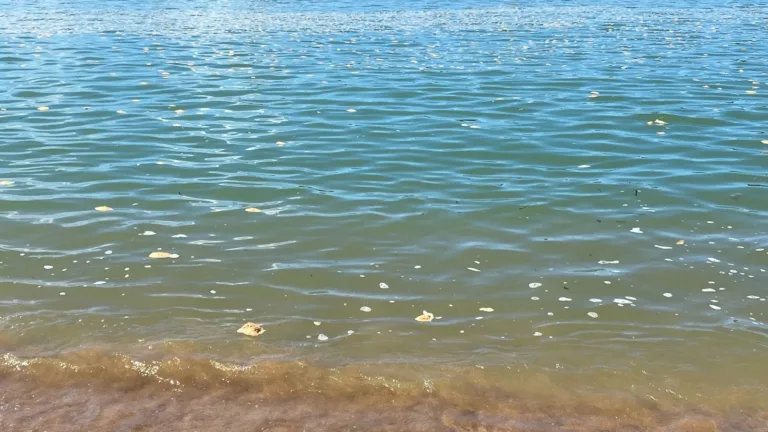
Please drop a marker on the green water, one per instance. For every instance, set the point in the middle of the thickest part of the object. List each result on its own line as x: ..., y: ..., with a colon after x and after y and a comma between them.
x: 592, y: 176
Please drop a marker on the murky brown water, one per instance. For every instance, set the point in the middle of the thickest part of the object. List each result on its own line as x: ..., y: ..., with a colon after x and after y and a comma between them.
x: 98, y: 391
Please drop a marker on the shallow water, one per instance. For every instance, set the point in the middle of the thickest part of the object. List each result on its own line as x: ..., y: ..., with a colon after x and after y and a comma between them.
x: 576, y: 191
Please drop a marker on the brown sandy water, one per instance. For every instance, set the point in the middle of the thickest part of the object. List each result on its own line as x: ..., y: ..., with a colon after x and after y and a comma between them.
x: 173, y: 386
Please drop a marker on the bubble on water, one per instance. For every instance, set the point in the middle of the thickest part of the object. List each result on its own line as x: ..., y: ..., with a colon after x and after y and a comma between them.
x: 592, y: 314
x: 667, y: 295
x: 537, y: 334
x: 621, y: 301
x: 534, y: 298
x: 382, y: 285
x: 596, y: 300
x: 534, y: 285
x: 365, y: 309
x: 179, y: 236
x: 322, y: 337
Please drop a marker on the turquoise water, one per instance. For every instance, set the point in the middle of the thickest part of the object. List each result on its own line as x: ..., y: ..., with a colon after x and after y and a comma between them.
x: 576, y: 191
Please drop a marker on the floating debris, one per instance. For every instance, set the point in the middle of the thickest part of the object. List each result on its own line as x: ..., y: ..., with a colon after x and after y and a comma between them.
x: 486, y: 309
x: 594, y: 94
x: 680, y: 242
x: 120, y: 112
x: 565, y: 299
x: 425, y: 317
x: 5, y: 182
x: 280, y: 143
x: 148, y: 233
x: 43, y: 108
x: 322, y: 337
x: 607, y: 262
x: 621, y: 301
x: 382, y: 285
x: 317, y: 323
x: 253, y: 210
x: 584, y: 166
x: 163, y: 255
x: 103, y: 208
x: 251, y: 329
x: 351, y: 110
x: 713, y: 260
x: 534, y: 285
x: 715, y: 307
x: 636, y: 230
x: 365, y: 309
x: 764, y: 142
x: 537, y: 334
x: 662, y: 247
x: 179, y: 111
x: 473, y: 269
x: 596, y: 300
x: 667, y: 295
x: 659, y: 122
x: 592, y: 314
